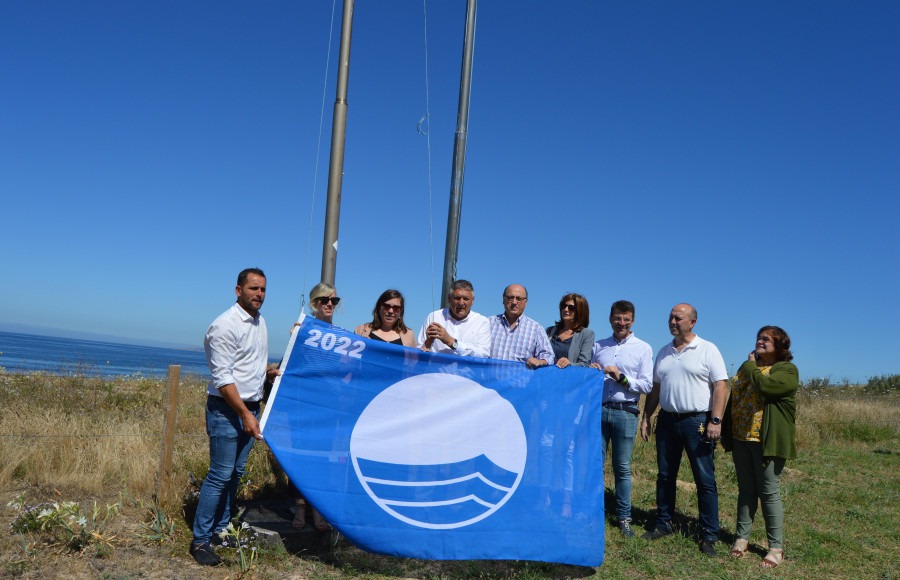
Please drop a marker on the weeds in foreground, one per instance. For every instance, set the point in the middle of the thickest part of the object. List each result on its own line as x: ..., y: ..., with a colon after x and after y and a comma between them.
x: 243, y: 537
x: 160, y: 527
x: 64, y: 522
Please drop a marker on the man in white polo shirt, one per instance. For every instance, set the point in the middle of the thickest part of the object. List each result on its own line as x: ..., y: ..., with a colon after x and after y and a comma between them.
x: 689, y: 385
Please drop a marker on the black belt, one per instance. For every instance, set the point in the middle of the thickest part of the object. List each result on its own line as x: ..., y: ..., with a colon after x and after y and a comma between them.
x: 629, y: 407
x: 683, y: 415
x: 251, y: 405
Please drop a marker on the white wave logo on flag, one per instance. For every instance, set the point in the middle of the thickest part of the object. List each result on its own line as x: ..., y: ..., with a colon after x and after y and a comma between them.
x: 439, y: 451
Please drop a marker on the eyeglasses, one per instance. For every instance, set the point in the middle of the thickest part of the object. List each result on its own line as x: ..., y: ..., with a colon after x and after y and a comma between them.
x: 568, y: 307
x: 389, y: 307
x: 515, y: 298
x: 333, y: 300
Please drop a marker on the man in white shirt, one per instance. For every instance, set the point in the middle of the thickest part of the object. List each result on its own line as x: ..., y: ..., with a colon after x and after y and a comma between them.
x: 627, y: 362
x: 515, y: 336
x: 689, y: 385
x: 456, y: 329
x: 237, y: 351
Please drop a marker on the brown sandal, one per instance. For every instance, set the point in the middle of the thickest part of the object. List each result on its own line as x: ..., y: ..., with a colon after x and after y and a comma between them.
x: 773, y: 558
x: 739, y: 548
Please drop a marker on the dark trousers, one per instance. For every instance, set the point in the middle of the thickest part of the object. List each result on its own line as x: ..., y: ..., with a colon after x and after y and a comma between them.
x: 675, y: 435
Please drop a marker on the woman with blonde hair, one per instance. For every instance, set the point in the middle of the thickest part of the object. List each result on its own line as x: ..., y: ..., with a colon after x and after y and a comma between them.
x: 322, y: 300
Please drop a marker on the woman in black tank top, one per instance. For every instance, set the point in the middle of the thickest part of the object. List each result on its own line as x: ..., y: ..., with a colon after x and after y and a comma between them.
x: 387, y: 321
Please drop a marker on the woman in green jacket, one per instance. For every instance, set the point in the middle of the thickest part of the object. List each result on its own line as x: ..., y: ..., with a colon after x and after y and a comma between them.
x: 759, y: 419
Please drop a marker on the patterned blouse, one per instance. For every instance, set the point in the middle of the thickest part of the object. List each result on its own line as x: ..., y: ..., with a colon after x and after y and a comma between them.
x: 747, y: 406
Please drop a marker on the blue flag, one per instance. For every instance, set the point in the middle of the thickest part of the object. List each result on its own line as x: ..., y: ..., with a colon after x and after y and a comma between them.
x: 437, y: 456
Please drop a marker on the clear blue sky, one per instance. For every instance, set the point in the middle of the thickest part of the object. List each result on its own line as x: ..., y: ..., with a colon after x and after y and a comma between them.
x: 743, y: 157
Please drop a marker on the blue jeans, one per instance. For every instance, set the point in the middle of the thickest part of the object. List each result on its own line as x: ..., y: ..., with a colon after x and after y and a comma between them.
x: 229, y: 447
x: 619, y: 428
x: 674, y: 435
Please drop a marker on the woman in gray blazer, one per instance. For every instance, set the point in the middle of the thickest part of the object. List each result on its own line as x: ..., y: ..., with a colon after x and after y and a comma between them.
x: 572, y: 343
x: 571, y: 338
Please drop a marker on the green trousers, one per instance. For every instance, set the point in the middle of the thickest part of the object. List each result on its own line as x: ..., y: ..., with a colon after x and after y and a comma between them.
x: 759, y: 482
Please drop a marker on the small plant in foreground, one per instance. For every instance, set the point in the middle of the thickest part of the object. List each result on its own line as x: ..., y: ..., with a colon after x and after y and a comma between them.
x: 244, y: 537
x: 63, y: 521
x: 161, y: 528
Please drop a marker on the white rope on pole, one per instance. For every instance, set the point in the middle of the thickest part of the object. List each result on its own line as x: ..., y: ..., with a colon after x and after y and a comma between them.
x: 318, y: 151
x: 427, y: 121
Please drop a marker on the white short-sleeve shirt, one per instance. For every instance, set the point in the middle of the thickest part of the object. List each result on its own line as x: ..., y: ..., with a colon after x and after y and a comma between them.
x: 686, y: 378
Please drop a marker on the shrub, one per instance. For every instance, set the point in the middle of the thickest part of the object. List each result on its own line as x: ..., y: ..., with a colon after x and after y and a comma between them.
x: 882, y: 385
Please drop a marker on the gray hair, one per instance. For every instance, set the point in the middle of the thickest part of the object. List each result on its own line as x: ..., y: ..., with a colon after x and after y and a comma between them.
x: 462, y: 285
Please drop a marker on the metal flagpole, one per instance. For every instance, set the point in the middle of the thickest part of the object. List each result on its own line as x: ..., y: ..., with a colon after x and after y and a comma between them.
x: 336, y: 165
x: 459, y: 156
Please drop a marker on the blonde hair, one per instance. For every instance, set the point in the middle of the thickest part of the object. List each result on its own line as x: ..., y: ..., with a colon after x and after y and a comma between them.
x: 320, y: 290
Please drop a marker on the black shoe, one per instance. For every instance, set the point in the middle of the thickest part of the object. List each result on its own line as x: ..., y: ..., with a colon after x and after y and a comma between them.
x: 625, y: 528
x: 218, y: 541
x: 204, y: 555
x: 657, y: 533
x: 708, y: 547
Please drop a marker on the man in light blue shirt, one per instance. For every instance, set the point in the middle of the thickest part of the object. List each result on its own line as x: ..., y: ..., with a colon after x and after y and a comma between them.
x: 515, y: 336
x: 627, y: 362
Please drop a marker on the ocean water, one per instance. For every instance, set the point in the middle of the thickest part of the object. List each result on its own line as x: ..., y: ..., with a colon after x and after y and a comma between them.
x: 31, y: 352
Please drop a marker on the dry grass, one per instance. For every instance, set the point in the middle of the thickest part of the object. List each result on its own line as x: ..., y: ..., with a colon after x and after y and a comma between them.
x: 94, y: 434
x: 853, y: 413
x: 90, y: 437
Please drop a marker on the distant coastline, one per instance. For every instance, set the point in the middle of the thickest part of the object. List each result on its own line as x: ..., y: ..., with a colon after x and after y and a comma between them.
x: 22, y: 352
x: 79, y: 335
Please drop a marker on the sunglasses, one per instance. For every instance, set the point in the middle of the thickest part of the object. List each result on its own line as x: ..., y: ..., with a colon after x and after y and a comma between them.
x: 331, y: 299
x: 568, y: 307
x: 389, y: 307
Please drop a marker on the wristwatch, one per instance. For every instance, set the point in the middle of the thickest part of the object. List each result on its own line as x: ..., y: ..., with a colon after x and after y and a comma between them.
x: 623, y: 380
x: 454, y: 345
x: 716, y: 420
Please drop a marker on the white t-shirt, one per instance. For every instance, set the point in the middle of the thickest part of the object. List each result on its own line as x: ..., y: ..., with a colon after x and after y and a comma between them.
x: 686, y: 378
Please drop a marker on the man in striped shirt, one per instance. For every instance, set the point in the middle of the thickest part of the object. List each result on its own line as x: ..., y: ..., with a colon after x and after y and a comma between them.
x: 514, y: 336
